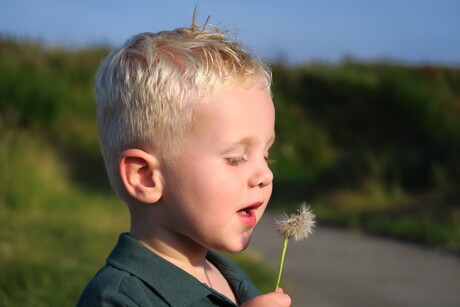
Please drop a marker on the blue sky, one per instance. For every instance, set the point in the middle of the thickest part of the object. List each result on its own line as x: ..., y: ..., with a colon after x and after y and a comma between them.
x: 414, y: 31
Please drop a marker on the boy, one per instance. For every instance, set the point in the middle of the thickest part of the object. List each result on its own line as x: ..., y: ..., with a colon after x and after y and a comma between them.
x: 186, y: 121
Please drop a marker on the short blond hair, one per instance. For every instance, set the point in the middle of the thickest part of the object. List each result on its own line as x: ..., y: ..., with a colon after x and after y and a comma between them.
x: 147, y: 91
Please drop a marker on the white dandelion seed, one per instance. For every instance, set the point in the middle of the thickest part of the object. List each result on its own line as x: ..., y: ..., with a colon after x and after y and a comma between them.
x: 297, y: 226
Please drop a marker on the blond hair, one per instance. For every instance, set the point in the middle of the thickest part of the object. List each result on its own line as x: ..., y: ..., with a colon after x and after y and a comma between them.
x: 147, y: 91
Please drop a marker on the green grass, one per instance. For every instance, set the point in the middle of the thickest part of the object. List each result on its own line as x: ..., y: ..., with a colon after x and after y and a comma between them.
x: 54, y: 236
x: 49, y: 254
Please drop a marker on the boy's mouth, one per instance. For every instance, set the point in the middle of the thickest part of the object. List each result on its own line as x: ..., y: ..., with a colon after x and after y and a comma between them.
x: 248, y: 214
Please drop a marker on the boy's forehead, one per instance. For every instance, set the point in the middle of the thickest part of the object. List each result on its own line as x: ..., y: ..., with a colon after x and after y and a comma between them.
x: 231, y: 132
x: 229, y: 96
x: 232, y: 88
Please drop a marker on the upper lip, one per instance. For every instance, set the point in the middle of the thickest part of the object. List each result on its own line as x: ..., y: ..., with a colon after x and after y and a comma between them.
x: 252, y: 206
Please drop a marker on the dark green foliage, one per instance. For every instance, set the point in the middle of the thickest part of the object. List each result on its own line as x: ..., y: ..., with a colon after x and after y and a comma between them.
x: 346, y: 117
x: 378, y: 144
x: 50, y: 90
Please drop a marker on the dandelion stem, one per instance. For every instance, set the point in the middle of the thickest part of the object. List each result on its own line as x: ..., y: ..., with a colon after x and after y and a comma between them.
x: 283, y: 254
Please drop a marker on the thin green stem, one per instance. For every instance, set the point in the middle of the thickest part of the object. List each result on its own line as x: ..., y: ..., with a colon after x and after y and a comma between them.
x: 283, y: 254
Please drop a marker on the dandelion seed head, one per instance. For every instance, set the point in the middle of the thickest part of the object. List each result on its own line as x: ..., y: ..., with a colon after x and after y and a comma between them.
x: 297, y: 226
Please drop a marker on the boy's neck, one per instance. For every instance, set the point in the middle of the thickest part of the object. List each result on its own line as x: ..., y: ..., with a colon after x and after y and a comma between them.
x: 181, y: 254
x: 147, y: 228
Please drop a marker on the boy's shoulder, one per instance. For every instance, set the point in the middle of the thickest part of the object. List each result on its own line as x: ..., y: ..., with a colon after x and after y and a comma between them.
x: 115, y: 287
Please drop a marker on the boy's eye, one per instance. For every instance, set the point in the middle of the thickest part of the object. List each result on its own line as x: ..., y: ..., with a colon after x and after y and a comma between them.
x: 269, y: 161
x: 235, y: 161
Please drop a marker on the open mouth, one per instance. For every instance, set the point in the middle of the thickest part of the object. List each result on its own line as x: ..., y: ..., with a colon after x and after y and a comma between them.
x: 250, y: 210
x: 248, y: 215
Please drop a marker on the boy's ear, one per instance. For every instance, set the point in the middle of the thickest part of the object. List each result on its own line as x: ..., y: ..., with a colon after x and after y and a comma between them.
x: 141, y: 176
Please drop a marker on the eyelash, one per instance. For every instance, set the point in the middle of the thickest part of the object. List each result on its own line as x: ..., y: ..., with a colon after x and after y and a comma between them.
x: 235, y: 161
x: 239, y: 160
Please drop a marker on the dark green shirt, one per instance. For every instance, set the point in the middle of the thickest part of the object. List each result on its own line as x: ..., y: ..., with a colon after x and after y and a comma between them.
x: 136, y: 276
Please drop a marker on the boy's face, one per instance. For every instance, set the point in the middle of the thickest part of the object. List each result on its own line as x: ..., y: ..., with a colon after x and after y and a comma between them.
x: 218, y: 190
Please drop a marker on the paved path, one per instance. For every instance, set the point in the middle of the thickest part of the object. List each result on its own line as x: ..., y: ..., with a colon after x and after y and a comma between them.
x: 339, y: 268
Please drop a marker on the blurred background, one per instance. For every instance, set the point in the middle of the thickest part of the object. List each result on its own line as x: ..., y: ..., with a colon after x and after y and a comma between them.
x: 368, y: 124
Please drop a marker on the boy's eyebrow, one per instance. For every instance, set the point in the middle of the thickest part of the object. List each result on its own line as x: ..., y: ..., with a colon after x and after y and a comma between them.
x: 251, y: 140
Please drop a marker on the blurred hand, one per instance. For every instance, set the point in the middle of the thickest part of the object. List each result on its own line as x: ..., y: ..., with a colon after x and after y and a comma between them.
x: 272, y: 299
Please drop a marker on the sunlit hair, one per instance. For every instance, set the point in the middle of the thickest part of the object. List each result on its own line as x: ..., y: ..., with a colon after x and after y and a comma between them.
x: 148, y: 91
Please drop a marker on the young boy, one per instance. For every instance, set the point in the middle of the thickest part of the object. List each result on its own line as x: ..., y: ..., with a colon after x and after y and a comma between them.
x: 186, y: 121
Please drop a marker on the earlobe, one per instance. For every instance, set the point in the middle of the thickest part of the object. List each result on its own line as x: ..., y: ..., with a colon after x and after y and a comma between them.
x: 141, y: 176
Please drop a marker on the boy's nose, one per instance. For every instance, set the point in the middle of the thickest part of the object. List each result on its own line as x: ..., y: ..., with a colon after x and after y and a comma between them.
x: 262, y: 176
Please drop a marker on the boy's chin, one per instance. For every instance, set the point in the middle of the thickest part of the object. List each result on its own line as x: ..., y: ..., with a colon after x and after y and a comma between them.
x: 237, y: 248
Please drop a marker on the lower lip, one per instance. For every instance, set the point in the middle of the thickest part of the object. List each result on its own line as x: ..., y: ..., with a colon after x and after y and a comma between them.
x: 249, y: 220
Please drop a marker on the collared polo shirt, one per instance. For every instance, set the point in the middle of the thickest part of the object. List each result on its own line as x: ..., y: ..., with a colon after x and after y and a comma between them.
x: 136, y: 276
